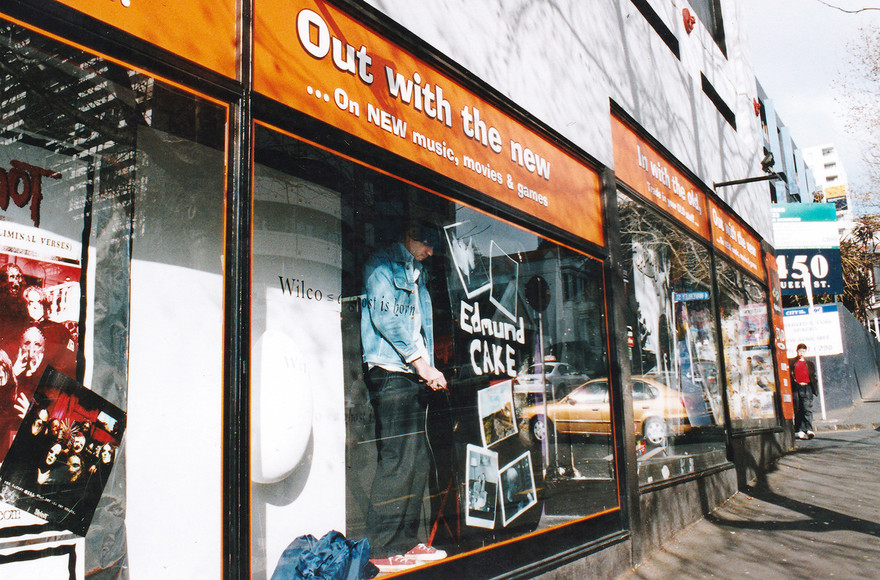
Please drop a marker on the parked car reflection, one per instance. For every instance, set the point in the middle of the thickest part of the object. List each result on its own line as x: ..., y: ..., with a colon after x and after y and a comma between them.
x: 658, y: 412
x: 559, y: 377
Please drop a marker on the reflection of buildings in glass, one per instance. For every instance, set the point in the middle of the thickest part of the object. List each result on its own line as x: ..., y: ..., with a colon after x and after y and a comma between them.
x: 297, y: 364
x: 64, y: 302
x: 504, y: 276
x: 573, y: 322
x: 651, y: 284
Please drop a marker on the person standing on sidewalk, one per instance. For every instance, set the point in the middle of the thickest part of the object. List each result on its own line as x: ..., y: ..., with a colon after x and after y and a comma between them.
x: 804, y: 387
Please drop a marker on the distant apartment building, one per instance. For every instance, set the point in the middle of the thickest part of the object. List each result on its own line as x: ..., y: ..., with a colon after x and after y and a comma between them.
x: 829, y: 174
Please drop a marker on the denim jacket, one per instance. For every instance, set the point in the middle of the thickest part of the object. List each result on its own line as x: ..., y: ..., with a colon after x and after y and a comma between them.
x: 395, y: 294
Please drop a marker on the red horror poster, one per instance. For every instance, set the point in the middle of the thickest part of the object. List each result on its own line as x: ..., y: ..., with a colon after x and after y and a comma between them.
x: 40, y: 300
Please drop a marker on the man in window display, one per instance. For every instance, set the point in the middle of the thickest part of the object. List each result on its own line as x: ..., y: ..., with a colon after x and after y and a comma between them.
x: 804, y: 386
x: 398, y: 349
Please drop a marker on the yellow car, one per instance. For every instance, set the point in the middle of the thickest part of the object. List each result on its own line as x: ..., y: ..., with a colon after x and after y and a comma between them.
x: 658, y: 411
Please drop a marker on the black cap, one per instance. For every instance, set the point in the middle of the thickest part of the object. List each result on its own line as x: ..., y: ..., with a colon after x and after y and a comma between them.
x: 425, y: 232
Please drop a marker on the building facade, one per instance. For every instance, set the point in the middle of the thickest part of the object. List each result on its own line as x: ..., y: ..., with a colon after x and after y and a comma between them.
x: 202, y: 195
x: 829, y: 174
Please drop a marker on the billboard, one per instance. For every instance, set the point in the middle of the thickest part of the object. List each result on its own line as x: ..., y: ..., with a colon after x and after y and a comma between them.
x: 836, y: 194
x: 306, y: 56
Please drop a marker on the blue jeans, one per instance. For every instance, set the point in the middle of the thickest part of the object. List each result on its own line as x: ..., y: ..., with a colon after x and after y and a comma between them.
x: 803, y: 407
x: 395, y: 513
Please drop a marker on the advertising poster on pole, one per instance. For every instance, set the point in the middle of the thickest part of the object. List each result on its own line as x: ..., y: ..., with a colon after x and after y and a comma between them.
x: 816, y: 326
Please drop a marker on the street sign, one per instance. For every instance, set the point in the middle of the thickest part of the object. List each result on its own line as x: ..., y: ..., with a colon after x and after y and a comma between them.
x: 807, y: 245
x: 824, y: 267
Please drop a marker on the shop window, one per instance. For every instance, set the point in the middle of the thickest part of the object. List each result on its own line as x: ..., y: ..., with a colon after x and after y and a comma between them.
x: 519, y: 332
x: 748, y: 360
x: 111, y: 230
x: 673, y: 347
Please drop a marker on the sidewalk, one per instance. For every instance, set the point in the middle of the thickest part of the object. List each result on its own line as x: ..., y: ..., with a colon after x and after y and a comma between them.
x: 816, y: 515
x: 864, y: 415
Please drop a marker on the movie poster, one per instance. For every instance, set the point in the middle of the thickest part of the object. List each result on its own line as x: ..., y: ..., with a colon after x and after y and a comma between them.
x: 62, y: 456
x: 39, y: 316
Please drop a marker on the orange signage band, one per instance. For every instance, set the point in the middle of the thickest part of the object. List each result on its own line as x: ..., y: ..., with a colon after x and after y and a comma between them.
x: 779, y: 336
x: 203, y: 31
x: 643, y: 168
x: 314, y: 58
x: 732, y: 239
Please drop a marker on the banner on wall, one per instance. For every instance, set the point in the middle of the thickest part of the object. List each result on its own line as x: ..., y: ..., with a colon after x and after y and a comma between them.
x: 732, y: 239
x: 638, y: 164
x: 779, y: 349
x: 203, y: 31
x: 313, y: 57
x: 837, y: 195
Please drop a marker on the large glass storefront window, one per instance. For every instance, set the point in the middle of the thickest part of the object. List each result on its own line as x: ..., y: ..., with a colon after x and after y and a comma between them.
x: 748, y: 360
x: 673, y: 349
x: 111, y: 289
x: 422, y: 372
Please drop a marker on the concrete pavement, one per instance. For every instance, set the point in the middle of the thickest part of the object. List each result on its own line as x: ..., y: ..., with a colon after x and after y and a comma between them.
x: 862, y: 415
x: 815, y: 515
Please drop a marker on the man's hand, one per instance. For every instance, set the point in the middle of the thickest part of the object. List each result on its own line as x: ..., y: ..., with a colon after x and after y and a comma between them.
x: 21, y: 363
x: 21, y: 405
x: 432, y: 377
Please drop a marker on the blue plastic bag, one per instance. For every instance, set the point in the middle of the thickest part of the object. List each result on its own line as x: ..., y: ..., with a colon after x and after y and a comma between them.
x: 331, y: 558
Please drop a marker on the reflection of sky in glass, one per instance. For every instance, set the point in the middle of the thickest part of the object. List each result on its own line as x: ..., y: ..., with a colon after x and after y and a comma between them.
x: 469, y: 262
x: 505, y: 281
x: 511, y: 240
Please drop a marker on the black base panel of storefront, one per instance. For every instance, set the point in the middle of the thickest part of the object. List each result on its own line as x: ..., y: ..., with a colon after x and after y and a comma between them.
x: 532, y: 555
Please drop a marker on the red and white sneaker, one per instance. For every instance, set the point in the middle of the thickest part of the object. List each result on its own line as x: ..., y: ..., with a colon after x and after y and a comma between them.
x: 424, y: 553
x: 395, y: 563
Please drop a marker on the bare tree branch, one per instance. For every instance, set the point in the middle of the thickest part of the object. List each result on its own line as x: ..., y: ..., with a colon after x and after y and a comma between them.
x: 855, y: 11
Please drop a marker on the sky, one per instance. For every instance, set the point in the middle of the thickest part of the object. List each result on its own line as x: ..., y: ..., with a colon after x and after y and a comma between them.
x: 800, y: 52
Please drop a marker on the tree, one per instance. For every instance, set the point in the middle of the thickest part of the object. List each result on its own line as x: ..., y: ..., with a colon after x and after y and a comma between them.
x: 858, y: 254
x: 861, y: 99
